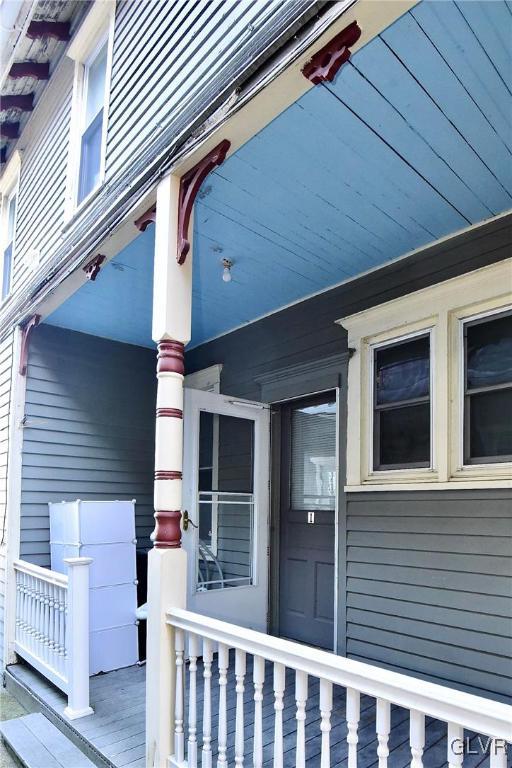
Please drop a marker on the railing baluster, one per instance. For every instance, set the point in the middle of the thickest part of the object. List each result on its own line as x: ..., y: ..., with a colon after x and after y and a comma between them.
x: 179, y: 733
x: 353, y: 714
x: 498, y: 753
x: 417, y: 738
x: 301, y: 696
x: 258, y: 679
x: 206, y: 761
x: 223, y: 725
x: 325, y: 723
x: 193, y: 652
x: 455, y: 745
x: 383, y: 726
x: 240, y: 670
x: 279, y: 684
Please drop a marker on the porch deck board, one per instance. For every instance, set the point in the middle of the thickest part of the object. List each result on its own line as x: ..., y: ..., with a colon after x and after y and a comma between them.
x: 116, y: 729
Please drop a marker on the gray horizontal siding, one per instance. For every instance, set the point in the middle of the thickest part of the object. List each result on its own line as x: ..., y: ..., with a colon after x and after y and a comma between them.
x: 175, y: 59
x: 89, y: 430
x: 425, y: 580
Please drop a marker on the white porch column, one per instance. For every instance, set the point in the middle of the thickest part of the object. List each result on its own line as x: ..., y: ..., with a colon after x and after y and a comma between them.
x: 167, y: 563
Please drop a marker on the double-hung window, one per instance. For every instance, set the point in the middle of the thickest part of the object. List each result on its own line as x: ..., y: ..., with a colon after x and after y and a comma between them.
x: 93, y: 116
x: 8, y: 251
x: 488, y: 389
x: 401, y: 404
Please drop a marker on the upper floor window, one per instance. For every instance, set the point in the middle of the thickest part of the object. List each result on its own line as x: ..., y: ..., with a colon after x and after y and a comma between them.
x: 401, y: 404
x: 8, y: 249
x: 488, y: 389
x: 93, y: 115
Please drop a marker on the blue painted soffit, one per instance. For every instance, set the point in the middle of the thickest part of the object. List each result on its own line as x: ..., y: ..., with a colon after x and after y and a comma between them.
x: 412, y: 142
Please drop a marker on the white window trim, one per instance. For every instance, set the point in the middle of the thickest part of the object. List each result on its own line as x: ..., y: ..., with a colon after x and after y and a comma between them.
x: 96, y: 30
x: 372, y: 348
x: 9, y: 186
x: 489, y: 292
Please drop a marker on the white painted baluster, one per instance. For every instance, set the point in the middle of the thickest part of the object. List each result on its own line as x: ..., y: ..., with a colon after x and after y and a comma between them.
x: 206, y: 761
x: 455, y: 745
x: 279, y: 683
x: 63, y: 610
x: 258, y: 679
x: 417, y: 738
x: 383, y: 726
x: 223, y: 726
x: 498, y: 753
x: 193, y: 653
x: 325, y: 723
x: 46, y: 621
x: 301, y: 696
x: 353, y: 714
x: 240, y: 670
x: 179, y: 733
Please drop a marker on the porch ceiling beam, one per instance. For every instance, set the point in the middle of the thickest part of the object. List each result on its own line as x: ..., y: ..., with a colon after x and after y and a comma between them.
x: 36, y: 69
x: 9, y: 130
x: 59, y: 30
x: 23, y: 101
x: 325, y: 63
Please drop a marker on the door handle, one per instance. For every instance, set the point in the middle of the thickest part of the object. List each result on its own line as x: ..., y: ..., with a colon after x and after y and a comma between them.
x: 188, y: 521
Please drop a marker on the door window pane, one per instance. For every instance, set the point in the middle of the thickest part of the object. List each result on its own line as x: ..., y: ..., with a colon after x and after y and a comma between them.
x: 313, y: 457
x: 401, y: 422
x: 225, y: 502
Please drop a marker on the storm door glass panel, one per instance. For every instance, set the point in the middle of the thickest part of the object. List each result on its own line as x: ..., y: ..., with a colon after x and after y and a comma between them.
x: 225, y: 502
x: 488, y: 390
x: 401, y: 436
x: 313, y: 465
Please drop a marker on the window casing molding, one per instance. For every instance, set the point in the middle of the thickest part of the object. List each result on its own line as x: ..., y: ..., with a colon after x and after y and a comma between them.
x: 9, y: 191
x: 447, y: 305
x: 96, y: 31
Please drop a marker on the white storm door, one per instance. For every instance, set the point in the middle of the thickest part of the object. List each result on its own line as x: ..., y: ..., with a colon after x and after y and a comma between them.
x: 226, y: 496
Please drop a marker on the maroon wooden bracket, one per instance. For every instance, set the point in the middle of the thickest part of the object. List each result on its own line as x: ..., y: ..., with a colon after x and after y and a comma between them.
x: 326, y: 62
x: 23, y: 101
x: 57, y: 29
x: 30, y: 69
x: 92, y: 269
x: 3, y: 154
x: 146, y: 219
x: 189, y: 187
x: 9, y: 130
x: 29, y: 326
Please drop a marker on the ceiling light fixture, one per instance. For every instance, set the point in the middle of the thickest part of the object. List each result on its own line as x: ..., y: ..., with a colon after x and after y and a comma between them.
x: 226, y: 273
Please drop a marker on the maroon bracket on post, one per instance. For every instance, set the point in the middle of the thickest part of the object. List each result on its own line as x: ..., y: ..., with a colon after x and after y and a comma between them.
x: 29, y: 326
x: 92, y: 269
x: 325, y: 64
x: 56, y: 29
x: 147, y: 218
x: 190, y: 185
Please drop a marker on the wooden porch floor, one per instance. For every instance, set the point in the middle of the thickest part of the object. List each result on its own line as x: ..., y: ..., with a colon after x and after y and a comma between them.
x: 116, y: 729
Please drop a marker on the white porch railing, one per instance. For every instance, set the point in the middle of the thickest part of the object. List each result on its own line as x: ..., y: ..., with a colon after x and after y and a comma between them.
x: 52, y: 627
x: 202, y: 636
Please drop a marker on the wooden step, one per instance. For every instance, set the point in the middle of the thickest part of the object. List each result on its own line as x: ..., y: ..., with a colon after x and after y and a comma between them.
x: 37, y: 743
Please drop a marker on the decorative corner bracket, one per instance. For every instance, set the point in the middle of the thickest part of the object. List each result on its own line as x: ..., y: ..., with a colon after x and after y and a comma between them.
x: 56, y: 29
x: 9, y: 130
x: 41, y: 71
x: 29, y: 326
x: 326, y: 62
x: 189, y: 187
x: 23, y: 101
x: 147, y: 218
x: 92, y: 269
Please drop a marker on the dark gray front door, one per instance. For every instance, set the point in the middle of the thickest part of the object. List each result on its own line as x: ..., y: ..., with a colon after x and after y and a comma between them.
x: 307, y: 521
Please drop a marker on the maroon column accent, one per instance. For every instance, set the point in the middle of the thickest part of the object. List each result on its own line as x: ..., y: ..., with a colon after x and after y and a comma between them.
x: 9, y: 130
x: 326, y: 62
x: 29, y: 326
x: 147, y: 218
x: 167, y: 533
x: 171, y: 357
x: 189, y: 187
x: 23, y: 101
x: 171, y: 413
x: 30, y: 69
x: 92, y: 269
x: 56, y: 29
x: 168, y: 474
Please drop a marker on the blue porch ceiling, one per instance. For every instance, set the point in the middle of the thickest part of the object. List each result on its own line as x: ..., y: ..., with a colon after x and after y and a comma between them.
x: 412, y: 142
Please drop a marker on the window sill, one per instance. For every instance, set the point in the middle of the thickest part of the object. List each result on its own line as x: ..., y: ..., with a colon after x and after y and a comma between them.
x: 432, y: 485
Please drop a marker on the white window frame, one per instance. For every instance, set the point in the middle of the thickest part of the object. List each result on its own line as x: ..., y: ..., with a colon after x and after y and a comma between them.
x: 9, y: 188
x: 96, y: 30
x: 372, y: 348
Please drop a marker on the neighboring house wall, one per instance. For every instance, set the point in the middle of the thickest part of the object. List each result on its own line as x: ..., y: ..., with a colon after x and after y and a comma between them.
x: 434, y: 614
x: 6, y: 349
x: 89, y: 430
